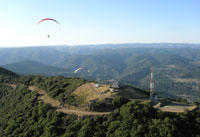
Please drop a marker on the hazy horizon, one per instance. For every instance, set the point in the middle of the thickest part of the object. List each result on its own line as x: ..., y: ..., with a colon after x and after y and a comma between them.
x: 95, y: 44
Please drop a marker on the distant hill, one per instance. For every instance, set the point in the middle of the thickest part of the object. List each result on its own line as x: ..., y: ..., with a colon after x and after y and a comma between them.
x: 6, y: 72
x: 32, y: 67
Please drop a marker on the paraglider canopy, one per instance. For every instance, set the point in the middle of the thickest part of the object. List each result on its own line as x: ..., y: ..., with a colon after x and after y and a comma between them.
x: 49, y: 20
x: 81, y: 69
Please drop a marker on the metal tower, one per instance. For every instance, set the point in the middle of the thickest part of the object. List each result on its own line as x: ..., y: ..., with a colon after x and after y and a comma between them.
x: 151, y: 84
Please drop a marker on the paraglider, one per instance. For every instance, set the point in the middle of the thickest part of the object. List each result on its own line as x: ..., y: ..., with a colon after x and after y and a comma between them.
x: 81, y: 69
x: 50, y: 19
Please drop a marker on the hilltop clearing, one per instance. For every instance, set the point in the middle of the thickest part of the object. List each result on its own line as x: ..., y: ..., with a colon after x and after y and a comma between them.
x: 64, y: 108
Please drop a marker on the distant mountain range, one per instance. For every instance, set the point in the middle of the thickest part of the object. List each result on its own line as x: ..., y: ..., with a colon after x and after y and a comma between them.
x: 176, y: 66
x: 51, y: 55
x: 32, y: 67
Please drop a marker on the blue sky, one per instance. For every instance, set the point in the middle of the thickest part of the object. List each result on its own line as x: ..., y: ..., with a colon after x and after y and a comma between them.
x: 98, y: 22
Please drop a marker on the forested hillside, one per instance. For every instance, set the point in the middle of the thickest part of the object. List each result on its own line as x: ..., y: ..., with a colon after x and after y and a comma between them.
x: 5, y: 72
x: 23, y: 114
x: 57, y: 87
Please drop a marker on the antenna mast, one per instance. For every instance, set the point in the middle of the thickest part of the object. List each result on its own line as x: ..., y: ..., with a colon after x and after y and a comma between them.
x: 151, y: 84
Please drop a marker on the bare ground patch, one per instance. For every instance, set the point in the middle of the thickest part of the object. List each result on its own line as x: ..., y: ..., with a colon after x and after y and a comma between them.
x: 65, y: 108
x: 88, y: 91
x: 175, y: 107
x: 185, y: 80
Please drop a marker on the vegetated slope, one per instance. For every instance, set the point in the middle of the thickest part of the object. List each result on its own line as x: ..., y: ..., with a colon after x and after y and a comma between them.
x: 57, y: 87
x: 22, y: 114
x: 7, y: 76
x: 32, y: 67
x: 6, y: 72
